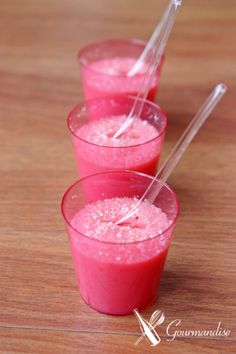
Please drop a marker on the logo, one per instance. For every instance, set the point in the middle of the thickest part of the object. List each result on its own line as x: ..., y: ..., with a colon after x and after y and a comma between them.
x: 173, y: 329
x: 148, y: 327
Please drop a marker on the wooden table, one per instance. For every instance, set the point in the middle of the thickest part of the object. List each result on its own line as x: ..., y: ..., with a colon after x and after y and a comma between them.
x: 41, y: 310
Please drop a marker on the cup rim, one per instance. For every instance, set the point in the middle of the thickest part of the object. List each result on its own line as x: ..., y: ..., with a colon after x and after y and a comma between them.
x: 107, y: 41
x: 173, y: 222
x: 160, y: 109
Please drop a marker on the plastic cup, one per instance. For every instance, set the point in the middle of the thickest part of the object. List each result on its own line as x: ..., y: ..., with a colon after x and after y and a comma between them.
x: 97, y: 83
x: 92, y: 158
x: 115, y: 278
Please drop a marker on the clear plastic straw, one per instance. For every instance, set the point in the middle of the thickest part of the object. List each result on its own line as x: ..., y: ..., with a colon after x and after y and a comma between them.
x: 162, y: 175
x: 154, y: 61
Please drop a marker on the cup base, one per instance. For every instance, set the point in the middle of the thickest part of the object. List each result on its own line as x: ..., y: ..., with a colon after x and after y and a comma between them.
x: 120, y: 313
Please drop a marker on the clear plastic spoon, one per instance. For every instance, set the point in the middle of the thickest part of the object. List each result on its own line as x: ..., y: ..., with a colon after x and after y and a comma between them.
x: 162, y: 175
x: 154, y: 60
x: 151, y: 43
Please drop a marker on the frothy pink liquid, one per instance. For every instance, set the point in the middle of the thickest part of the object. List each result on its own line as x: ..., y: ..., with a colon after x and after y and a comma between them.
x: 136, y: 149
x: 119, y: 266
x: 109, y: 77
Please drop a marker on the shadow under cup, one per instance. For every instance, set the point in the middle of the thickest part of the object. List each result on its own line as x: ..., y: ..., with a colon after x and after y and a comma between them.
x: 92, y: 158
x: 115, y: 277
x: 99, y: 83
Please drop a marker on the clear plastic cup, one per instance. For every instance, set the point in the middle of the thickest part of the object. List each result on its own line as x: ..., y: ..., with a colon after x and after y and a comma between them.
x: 92, y: 158
x: 114, y: 277
x: 97, y: 56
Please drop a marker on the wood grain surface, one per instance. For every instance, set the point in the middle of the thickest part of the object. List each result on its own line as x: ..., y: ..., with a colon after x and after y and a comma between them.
x: 40, y: 307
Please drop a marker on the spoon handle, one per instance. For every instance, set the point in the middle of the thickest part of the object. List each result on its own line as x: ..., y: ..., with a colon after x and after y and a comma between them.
x: 162, y: 175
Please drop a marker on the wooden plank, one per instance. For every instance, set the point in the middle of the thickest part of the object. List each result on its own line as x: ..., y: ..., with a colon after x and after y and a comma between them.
x: 30, y: 341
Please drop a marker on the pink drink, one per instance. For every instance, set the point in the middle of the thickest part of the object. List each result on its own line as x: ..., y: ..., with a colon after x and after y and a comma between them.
x: 93, y: 124
x: 119, y: 267
x: 117, y: 273
x: 101, y: 132
x: 104, y: 67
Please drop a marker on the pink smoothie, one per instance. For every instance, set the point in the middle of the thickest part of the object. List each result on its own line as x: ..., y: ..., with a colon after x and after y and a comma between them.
x: 119, y: 266
x: 109, y: 76
x: 137, y: 149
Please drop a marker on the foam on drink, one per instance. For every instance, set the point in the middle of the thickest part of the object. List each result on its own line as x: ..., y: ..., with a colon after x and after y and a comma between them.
x: 97, y: 220
x: 101, y: 132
